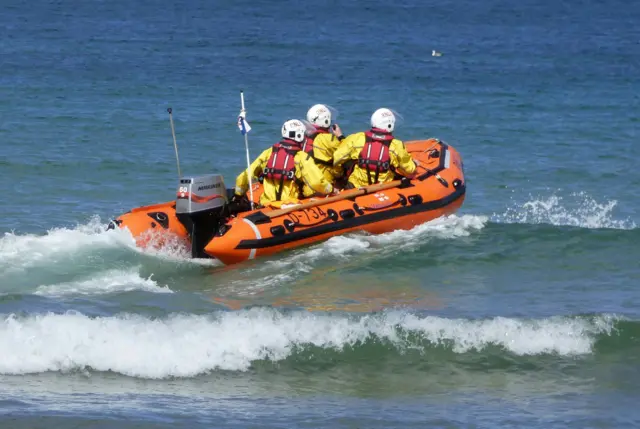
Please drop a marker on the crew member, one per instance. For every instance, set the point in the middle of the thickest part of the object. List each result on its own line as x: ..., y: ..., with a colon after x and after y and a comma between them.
x: 378, y: 155
x: 285, y: 169
x: 322, y: 141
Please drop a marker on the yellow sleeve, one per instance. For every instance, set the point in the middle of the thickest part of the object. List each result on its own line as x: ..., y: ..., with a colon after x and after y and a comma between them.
x: 344, y: 151
x: 324, y: 146
x: 242, y: 181
x: 308, y: 172
x: 405, y: 163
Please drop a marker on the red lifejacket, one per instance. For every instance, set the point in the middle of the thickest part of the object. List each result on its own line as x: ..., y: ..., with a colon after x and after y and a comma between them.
x: 281, y: 164
x: 374, y: 156
x: 307, y: 146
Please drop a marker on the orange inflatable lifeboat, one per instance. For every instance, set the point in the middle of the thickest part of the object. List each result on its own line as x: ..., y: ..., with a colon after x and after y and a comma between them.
x: 203, y: 217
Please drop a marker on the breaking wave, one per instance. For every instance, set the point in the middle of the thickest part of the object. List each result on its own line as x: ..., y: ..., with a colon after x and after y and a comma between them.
x: 189, y: 345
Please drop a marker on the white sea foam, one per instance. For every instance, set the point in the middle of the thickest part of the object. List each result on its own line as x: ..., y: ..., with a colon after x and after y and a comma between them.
x: 104, y: 282
x: 578, y: 209
x: 449, y: 227
x: 22, y: 252
x: 188, y: 345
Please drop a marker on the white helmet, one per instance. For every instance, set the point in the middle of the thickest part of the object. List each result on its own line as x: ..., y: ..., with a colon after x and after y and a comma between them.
x: 383, y: 119
x: 320, y: 115
x: 294, y: 129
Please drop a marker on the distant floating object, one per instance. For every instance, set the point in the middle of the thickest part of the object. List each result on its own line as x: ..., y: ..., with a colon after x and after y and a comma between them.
x: 435, y: 53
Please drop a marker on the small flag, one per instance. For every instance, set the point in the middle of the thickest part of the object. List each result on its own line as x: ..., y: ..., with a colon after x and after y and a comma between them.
x: 243, y: 125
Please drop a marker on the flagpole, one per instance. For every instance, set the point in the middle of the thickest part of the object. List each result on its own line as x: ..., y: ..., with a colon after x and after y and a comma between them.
x: 175, y: 145
x: 246, y: 146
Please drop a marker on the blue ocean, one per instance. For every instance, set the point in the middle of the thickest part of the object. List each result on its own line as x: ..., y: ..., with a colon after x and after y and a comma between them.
x: 521, y: 310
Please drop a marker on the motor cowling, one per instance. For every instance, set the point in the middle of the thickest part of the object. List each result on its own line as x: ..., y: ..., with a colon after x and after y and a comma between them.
x: 200, y: 205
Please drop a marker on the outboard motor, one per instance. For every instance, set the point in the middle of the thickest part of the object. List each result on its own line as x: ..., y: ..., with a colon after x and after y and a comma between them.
x: 200, y: 203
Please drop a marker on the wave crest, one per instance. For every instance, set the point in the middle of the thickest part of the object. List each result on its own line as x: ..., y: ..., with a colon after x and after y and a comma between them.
x: 188, y: 345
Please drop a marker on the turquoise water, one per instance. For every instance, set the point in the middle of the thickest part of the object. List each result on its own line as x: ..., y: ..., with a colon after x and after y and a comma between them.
x: 521, y: 310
